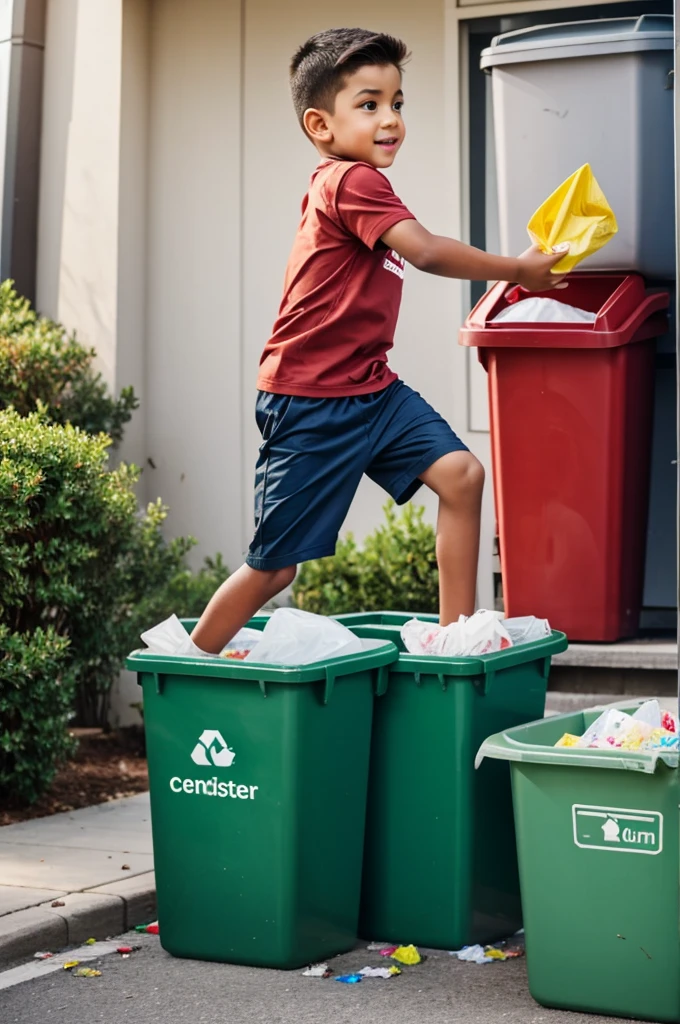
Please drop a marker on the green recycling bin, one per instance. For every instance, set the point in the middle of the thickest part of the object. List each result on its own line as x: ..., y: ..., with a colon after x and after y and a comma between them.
x: 258, y: 777
x: 597, y: 838
x: 440, y: 864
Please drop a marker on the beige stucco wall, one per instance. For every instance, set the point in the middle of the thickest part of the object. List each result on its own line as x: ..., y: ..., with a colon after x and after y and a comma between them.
x: 173, y: 170
x: 77, y: 274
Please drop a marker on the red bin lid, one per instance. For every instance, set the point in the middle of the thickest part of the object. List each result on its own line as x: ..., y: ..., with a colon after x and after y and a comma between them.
x: 625, y: 309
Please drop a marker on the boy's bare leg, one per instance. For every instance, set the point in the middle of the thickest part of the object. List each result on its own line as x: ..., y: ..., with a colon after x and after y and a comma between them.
x: 458, y: 480
x: 236, y: 601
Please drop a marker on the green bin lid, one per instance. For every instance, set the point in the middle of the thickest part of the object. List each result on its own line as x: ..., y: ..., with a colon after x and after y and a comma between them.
x: 534, y: 743
x: 580, y: 39
x: 376, y: 653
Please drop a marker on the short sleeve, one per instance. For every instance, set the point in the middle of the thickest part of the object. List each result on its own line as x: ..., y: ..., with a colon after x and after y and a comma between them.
x: 367, y: 206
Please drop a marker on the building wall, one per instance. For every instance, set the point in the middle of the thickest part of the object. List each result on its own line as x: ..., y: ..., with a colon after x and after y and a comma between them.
x: 77, y: 273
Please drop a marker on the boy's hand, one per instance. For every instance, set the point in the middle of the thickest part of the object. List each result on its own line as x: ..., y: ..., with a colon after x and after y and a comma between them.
x: 534, y: 268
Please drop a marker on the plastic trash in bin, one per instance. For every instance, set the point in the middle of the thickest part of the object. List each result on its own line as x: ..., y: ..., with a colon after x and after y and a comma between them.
x: 597, y: 842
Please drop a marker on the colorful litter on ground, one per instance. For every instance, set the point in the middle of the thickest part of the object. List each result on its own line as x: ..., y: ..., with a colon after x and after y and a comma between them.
x: 486, y: 954
x: 649, y: 728
x: 349, y: 979
x: 150, y: 929
x: 317, y: 971
x: 406, y: 955
x: 380, y: 972
x: 86, y: 972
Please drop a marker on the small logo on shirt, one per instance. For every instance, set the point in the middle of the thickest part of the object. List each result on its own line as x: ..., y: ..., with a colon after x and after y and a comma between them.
x: 394, y: 263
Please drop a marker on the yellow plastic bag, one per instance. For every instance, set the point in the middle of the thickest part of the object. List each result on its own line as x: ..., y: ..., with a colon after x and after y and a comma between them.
x: 577, y: 213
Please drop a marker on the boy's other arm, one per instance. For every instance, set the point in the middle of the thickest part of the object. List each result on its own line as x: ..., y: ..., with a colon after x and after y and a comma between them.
x: 447, y: 257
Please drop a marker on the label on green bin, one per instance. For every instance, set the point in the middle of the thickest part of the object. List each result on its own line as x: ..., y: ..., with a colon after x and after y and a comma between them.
x: 617, y: 829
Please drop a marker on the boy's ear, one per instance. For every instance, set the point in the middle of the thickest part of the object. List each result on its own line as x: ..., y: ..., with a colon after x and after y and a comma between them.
x: 316, y: 125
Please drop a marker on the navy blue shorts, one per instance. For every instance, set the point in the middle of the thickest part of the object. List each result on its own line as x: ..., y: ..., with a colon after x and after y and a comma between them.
x: 313, y: 454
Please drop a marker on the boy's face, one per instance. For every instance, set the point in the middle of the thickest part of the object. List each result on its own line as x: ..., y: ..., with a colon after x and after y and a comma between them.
x: 367, y: 122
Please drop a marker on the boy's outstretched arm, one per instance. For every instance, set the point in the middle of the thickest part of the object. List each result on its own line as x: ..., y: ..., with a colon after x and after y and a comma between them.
x: 437, y: 254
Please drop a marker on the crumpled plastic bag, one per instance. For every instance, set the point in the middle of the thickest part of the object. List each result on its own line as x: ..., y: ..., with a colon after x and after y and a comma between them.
x: 294, y: 637
x: 481, y: 633
x: 540, y: 310
x: 527, y: 629
x: 578, y: 213
x: 170, y: 637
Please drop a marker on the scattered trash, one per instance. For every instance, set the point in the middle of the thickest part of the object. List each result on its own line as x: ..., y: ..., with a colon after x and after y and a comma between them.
x: 295, y: 637
x: 125, y: 867
x: 377, y: 947
x: 647, y: 729
x: 407, y: 955
x: 43, y: 956
x: 317, y: 971
x: 388, y: 950
x: 150, y: 929
x: 90, y: 942
x: 71, y: 963
x: 126, y: 950
x: 86, y: 972
x: 58, y: 903
x: 349, y: 979
x: 487, y: 954
x: 379, y: 972
x: 539, y: 310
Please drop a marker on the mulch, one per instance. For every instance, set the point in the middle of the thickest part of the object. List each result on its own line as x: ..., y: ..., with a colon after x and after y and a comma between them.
x: 106, y: 766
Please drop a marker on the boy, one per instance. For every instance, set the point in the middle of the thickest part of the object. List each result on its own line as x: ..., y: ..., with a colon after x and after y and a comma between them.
x: 329, y: 407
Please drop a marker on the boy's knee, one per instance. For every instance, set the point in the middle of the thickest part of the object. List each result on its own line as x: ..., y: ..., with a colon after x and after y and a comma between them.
x: 276, y: 580
x: 285, y: 577
x: 466, y: 480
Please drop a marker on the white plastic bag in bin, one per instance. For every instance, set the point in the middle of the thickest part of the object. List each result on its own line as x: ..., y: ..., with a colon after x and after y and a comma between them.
x: 294, y: 637
x: 481, y: 633
x: 527, y: 629
x: 170, y: 637
x: 537, y: 310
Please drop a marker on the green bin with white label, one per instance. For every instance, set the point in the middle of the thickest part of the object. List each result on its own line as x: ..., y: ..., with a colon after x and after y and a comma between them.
x: 597, y: 844
x: 258, y: 777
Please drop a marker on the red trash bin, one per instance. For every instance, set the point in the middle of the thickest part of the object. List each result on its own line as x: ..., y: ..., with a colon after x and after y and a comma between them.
x: 571, y: 421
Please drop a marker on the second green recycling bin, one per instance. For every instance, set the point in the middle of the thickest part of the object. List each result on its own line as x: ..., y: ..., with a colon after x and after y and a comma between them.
x: 258, y: 777
x: 440, y: 865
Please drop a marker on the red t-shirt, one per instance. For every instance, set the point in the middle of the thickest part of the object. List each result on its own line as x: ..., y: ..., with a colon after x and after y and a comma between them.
x: 342, y: 289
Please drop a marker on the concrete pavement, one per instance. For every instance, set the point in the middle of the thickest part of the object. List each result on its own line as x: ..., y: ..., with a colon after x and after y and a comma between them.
x: 152, y: 987
x: 72, y: 876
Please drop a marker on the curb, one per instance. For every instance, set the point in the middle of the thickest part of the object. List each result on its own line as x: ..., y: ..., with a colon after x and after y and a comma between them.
x: 97, y: 913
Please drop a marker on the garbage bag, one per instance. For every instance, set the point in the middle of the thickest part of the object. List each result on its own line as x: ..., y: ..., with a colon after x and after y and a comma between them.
x: 294, y: 637
x: 577, y: 213
x: 170, y: 637
x: 526, y: 629
x: 539, y: 310
x: 481, y: 633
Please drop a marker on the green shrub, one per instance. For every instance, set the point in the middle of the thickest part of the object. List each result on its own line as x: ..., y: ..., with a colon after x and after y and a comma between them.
x: 395, y: 570
x: 77, y: 555
x: 41, y: 365
x: 36, y: 692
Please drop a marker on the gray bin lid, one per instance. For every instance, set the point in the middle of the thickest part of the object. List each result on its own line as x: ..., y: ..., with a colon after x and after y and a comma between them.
x: 580, y: 39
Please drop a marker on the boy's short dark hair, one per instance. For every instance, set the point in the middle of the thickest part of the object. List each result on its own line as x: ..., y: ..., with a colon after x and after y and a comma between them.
x: 319, y: 68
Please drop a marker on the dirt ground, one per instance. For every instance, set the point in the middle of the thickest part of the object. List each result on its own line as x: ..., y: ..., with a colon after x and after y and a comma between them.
x: 105, y: 767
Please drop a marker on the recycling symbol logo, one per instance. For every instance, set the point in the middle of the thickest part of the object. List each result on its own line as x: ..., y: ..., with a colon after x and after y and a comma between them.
x: 211, y: 749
